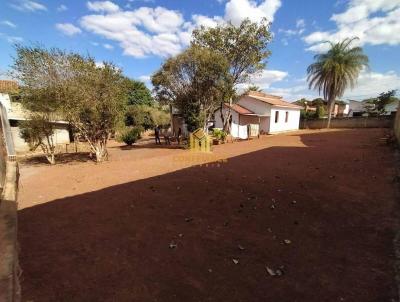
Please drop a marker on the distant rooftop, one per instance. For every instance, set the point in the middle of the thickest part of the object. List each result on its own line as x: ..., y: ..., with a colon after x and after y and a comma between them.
x: 7, y: 86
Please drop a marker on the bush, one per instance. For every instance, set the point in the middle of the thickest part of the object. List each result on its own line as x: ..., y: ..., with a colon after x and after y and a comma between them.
x: 219, y: 134
x: 131, y: 135
x: 320, y: 112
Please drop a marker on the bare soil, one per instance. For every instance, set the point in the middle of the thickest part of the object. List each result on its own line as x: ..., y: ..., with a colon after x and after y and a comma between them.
x: 152, y: 224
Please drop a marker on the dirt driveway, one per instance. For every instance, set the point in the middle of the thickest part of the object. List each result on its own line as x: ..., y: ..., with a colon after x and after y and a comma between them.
x: 151, y: 225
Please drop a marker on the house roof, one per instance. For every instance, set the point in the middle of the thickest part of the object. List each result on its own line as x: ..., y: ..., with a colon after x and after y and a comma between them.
x: 273, y: 100
x: 239, y: 109
x: 7, y: 86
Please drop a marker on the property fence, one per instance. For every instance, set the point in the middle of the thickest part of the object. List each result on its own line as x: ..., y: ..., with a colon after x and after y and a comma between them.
x: 9, y: 268
x: 397, y: 125
x: 350, y: 122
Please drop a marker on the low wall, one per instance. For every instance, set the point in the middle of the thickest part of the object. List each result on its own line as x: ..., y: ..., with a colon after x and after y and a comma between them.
x: 350, y: 122
x: 9, y: 267
x: 397, y: 125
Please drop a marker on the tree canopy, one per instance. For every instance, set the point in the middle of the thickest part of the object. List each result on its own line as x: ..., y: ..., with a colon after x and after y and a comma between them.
x: 73, y: 88
x: 194, y: 82
x: 138, y: 93
x: 336, y: 70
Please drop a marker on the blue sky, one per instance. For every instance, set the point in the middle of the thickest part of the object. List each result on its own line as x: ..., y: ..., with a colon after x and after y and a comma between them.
x: 138, y: 35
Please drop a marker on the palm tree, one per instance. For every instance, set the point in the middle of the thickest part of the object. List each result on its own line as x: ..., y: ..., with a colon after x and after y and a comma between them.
x: 334, y: 71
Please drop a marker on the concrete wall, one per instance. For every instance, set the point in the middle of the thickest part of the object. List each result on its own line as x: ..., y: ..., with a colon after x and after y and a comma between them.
x: 352, y: 122
x: 9, y: 268
x: 61, y: 136
x: 397, y: 125
x: 282, y: 125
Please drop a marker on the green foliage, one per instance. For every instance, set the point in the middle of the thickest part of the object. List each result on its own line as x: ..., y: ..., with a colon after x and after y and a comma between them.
x: 72, y: 87
x: 253, y: 88
x: 219, y: 134
x: 243, y: 46
x: 194, y: 82
x: 38, y: 132
x: 320, y: 112
x: 130, y: 135
x: 336, y: 70
x: 138, y: 93
x: 377, y: 106
x: 317, y: 102
x: 302, y: 102
x: 146, y: 116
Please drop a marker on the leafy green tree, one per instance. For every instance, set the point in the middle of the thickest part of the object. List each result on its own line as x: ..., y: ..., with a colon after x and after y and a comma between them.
x: 379, y: 104
x: 253, y: 88
x: 320, y: 111
x: 245, y: 49
x: 73, y: 88
x: 334, y: 71
x: 38, y: 132
x: 193, y: 82
x: 138, y: 93
x: 145, y: 116
x: 302, y: 102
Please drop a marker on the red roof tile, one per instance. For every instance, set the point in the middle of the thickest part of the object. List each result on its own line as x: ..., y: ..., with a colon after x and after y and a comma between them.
x: 239, y: 109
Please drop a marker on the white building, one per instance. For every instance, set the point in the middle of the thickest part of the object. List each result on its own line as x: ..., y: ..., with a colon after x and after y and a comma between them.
x: 15, y: 114
x: 270, y: 112
x: 359, y: 108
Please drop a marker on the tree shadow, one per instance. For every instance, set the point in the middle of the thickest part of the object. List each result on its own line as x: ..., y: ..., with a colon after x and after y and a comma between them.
x: 207, y: 233
x: 62, y: 158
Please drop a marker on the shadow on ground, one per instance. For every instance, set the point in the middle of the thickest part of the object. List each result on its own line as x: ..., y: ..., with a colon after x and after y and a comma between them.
x: 63, y: 158
x: 175, y: 237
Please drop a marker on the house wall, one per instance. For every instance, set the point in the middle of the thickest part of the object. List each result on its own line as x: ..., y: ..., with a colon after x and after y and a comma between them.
x: 256, y: 106
x: 5, y: 100
x: 292, y: 123
x: 61, y: 136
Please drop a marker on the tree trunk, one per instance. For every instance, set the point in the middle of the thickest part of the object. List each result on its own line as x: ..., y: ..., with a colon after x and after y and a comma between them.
x: 51, y: 158
x: 331, y: 103
x: 100, y: 150
x: 171, y: 114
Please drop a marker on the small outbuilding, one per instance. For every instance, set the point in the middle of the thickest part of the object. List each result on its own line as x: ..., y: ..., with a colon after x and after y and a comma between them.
x: 270, y: 112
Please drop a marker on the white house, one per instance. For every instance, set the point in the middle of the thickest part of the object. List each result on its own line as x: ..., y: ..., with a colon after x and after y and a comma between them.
x: 270, y: 112
x: 359, y: 108
x: 15, y: 113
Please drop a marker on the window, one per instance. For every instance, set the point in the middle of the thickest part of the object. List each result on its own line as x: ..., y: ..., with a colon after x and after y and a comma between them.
x: 286, y: 116
x: 276, y: 116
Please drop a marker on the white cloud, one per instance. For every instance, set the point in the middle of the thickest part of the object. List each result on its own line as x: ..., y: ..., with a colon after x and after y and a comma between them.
x: 300, y: 28
x: 68, y: 29
x: 300, y: 23
x: 108, y: 46
x: 264, y: 79
x: 11, y: 39
x: 8, y: 23
x: 140, y: 32
x: 371, y: 84
x: 375, y: 22
x: 238, y: 10
x: 159, y: 31
x: 102, y: 6
x: 28, y: 6
x: 62, y: 8
x: 145, y: 78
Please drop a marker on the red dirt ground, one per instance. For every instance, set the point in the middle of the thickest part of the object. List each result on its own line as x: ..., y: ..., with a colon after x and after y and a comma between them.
x: 103, y: 232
